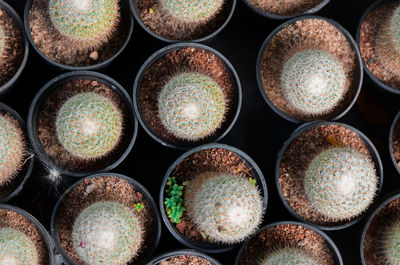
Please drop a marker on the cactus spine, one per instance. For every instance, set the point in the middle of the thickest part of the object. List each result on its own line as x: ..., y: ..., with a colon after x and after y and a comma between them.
x: 191, y: 106
x: 391, y: 242
x: 313, y: 81
x: 340, y: 183
x: 107, y: 233
x: 89, y: 125
x: 225, y: 207
x: 16, y: 248
x: 289, y: 256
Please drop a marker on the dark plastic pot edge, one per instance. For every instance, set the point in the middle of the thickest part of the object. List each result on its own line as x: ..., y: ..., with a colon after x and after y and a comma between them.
x: 131, y: 181
x: 332, y: 245
x: 279, y: 28
x: 98, y: 66
x: 10, y: 83
x: 190, y: 252
x: 371, y: 148
x: 392, y: 128
x: 208, y: 248
x: 32, y: 115
x: 158, y: 54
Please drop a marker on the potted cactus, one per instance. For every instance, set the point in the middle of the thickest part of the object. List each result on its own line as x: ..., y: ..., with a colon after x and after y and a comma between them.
x: 106, y: 219
x: 185, y: 256
x: 212, y: 206
x: 85, y: 34
x: 81, y: 122
x: 186, y: 95
x: 306, y: 78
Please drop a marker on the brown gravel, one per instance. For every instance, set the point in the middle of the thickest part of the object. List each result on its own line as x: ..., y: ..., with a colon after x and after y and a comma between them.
x: 300, y: 35
x: 165, y: 25
x: 96, y: 189
x: 21, y: 223
x: 298, y: 156
x: 59, y: 49
x: 47, y: 129
x: 286, y: 235
x: 285, y: 7
x: 370, y: 28
x: 14, y: 51
x: 185, y: 260
x: 186, y: 59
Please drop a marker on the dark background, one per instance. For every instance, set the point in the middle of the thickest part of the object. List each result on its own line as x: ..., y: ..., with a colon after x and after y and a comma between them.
x: 258, y: 131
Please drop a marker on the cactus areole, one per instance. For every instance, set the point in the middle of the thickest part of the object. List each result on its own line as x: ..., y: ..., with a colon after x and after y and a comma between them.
x: 391, y: 242
x: 289, y: 256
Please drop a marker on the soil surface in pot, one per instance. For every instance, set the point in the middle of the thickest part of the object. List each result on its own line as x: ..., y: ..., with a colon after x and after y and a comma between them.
x: 47, y: 126
x: 14, y: 47
x: 185, y: 259
x: 182, y: 60
x: 97, y: 189
x: 300, y: 35
x: 285, y: 7
x: 299, y: 155
x: 58, y: 48
x: 286, y: 235
x: 19, y: 222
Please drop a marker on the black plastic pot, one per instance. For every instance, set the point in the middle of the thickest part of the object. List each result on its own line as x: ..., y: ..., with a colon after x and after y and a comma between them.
x: 27, y: 167
x: 278, y: 29
x: 335, y: 251
x: 203, y: 246
x: 138, y: 187
x: 391, y: 134
x: 40, y: 97
x: 135, y: 12
x: 230, y: 119
x: 183, y: 252
x: 266, y: 14
x: 54, y: 257
x: 11, y: 12
x: 101, y: 65
x: 375, y: 158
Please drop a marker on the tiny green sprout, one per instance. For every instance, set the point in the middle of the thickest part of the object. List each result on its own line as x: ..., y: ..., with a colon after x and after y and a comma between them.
x: 253, y: 181
x: 139, y: 206
x: 186, y: 183
x: 210, y: 240
x: 203, y: 235
x: 174, y: 201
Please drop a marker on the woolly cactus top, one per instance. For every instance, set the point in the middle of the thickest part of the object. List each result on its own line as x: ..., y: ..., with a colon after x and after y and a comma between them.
x: 12, y: 149
x: 391, y: 243
x: 107, y: 233
x: 225, y: 207
x: 16, y: 248
x: 90, y: 21
x: 289, y: 256
x: 192, y: 10
x: 313, y: 81
x: 191, y: 106
x: 89, y: 125
x: 340, y: 183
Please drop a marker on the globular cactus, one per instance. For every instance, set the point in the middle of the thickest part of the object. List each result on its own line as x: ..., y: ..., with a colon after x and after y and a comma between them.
x: 340, y: 183
x: 391, y: 242
x: 107, y: 232
x: 191, y: 106
x: 290, y: 256
x: 12, y: 149
x: 89, y: 125
x: 16, y: 248
x: 225, y: 207
x: 90, y: 23
x: 313, y: 81
x: 192, y: 11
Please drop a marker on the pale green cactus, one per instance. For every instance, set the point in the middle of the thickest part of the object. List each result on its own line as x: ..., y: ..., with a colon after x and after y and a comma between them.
x: 192, y: 11
x: 290, y: 256
x: 89, y: 125
x: 12, y: 149
x: 107, y: 232
x: 191, y: 106
x: 16, y: 248
x: 313, y: 81
x: 225, y: 207
x: 340, y: 183
x: 391, y: 243
x: 89, y: 22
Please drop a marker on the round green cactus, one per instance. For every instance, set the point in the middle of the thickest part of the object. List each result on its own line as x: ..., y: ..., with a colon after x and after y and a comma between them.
x: 90, y: 22
x: 16, y: 248
x: 289, y: 256
x: 12, y: 149
x: 225, y: 207
x: 191, y: 106
x: 340, y: 183
x: 313, y: 81
x: 391, y: 243
x: 89, y: 125
x: 107, y: 233
x: 192, y: 11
